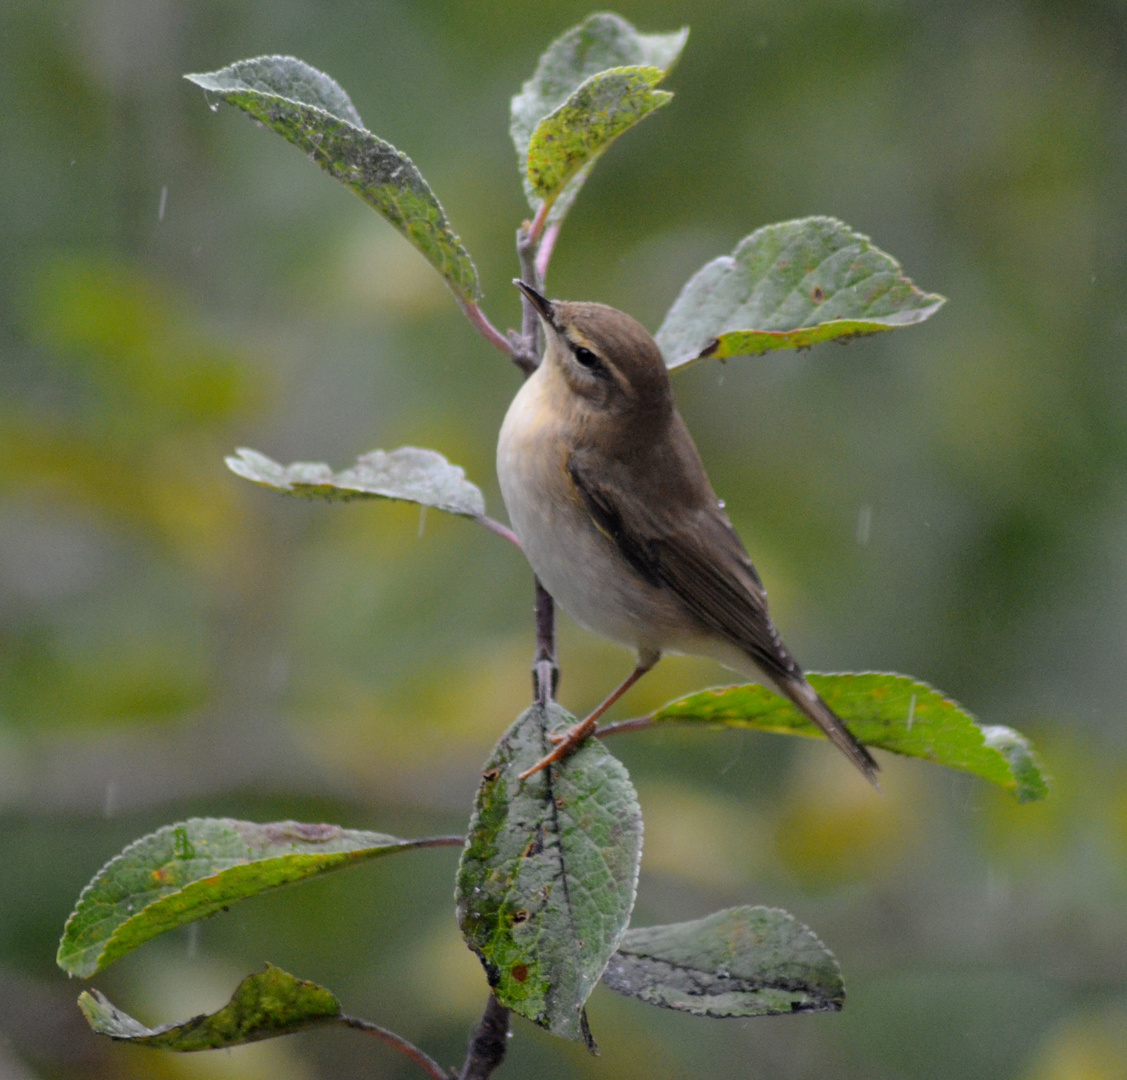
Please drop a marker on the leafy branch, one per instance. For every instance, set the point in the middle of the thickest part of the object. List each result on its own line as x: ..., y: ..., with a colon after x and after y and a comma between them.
x: 546, y: 882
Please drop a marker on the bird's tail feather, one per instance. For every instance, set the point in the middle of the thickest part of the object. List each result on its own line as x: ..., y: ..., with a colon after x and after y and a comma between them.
x: 806, y: 698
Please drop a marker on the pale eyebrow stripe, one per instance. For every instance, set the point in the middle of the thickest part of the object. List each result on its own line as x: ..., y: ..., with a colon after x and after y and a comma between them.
x: 613, y: 370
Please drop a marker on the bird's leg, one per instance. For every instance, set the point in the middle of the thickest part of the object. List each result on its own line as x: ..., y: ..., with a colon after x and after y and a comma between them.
x: 567, y: 741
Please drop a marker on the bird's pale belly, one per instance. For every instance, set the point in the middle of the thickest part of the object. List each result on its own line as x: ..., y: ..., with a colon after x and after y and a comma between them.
x: 577, y: 564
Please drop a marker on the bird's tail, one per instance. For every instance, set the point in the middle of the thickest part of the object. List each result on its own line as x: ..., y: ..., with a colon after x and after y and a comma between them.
x: 806, y: 698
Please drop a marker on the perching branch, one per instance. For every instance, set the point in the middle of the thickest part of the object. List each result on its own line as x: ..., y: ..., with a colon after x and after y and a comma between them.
x: 545, y: 670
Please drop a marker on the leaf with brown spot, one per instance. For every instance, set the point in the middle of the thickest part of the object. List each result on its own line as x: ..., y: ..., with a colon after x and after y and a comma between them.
x: 198, y: 867
x: 547, y: 877
x: 790, y: 286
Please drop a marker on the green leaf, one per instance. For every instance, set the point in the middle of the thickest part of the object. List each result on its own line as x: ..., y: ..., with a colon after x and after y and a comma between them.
x: 193, y: 869
x: 262, y: 1007
x: 892, y: 712
x: 599, y: 43
x: 408, y: 474
x: 790, y: 286
x: 746, y: 961
x: 547, y: 878
x: 310, y: 110
x: 588, y: 122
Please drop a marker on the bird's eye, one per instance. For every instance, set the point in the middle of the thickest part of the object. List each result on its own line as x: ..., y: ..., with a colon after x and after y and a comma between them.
x: 590, y: 360
x: 587, y: 358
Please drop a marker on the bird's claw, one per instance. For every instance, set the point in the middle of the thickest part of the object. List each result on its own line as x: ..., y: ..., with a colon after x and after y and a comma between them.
x: 567, y: 742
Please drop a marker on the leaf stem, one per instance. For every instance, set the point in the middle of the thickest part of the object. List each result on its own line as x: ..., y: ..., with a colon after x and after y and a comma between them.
x: 544, y: 254
x: 489, y: 1043
x: 539, y: 221
x: 638, y: 723
x: 439, y: 841
x: 423, y: 1060
x: 501, y: 530
x: 480, y: 322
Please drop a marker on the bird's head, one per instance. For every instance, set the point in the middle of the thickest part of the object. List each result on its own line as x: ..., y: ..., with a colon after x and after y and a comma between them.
x: 607, y: 360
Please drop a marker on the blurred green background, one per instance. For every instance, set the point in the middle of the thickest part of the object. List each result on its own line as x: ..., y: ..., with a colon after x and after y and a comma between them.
x: 175, y: 642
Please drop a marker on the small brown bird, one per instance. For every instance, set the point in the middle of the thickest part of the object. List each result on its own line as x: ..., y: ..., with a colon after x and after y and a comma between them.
x: 608, y: 495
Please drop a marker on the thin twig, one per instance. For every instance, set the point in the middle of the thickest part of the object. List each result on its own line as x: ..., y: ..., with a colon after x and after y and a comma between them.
x: 496, y: 527
x: 530, y: 321
x: 639, y: 723
x: 489, y: 1043
x: 422, y: 1059
x: 545, y: 671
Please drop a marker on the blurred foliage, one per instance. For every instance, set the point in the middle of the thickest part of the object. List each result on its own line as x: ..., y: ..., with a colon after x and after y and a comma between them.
x: 947, y: 502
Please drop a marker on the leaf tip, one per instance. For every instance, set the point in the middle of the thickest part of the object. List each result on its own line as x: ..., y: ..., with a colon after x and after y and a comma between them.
x: 205, y: 80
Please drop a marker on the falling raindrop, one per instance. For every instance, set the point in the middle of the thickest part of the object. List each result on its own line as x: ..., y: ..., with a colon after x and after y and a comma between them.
x: 864, y: 524
x: 192, y: 941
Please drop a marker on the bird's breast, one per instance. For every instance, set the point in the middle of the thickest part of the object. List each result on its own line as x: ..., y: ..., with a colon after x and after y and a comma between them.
x: 580, y: 566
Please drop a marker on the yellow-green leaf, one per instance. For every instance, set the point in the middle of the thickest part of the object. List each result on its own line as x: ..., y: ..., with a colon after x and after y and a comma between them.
x: 193, y: 869
x: 890, y: 712
x: 262, y: 1007
x: 789, y: 286
x: 601, y: 42
x: 600, y: 110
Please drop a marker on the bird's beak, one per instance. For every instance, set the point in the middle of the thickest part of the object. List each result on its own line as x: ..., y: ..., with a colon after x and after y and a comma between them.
x: 542, y: 304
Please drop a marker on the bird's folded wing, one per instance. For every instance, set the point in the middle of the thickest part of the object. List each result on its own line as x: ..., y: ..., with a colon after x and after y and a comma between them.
x: 696, y: 554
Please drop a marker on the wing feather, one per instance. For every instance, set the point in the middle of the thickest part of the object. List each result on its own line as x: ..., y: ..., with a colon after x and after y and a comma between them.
x: 702, y: 562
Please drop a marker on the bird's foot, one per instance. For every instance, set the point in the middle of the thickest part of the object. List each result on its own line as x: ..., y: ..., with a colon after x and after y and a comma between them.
x: 567, y: 742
